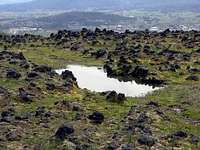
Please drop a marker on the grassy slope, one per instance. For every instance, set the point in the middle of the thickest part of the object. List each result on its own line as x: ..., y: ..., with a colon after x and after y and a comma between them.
x: 184, y: 96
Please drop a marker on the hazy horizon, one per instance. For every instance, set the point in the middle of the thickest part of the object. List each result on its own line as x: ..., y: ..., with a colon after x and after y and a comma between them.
x: 2, y: 2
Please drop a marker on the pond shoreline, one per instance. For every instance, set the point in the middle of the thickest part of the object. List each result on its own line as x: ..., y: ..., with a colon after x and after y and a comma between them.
x: 95, y: 79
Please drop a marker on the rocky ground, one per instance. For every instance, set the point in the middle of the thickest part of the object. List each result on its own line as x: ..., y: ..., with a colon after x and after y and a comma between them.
x: 43, y: 110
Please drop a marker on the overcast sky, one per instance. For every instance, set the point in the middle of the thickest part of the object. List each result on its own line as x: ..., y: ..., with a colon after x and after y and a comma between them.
x: 12, y: 1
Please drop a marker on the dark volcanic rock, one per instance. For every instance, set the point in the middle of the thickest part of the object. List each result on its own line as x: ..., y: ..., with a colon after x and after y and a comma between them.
x: 13, y: 74
x: 153, y: 81
x: 19, y: 56
x: 146, y: 140
x: 50, y: 86
x: 42, y: 69
x: 195, y: 140
x: 64, y: 131
x: 40, y: 111
x: 114, y: 97
x: 25, y: 97
x: 152, y: 103
x: 111, y: 96
x: 143, y: 118
x: 32, y: 74
x: 13, y: 135
x: 24, y: 64
x: 7, y: 116
x: 68, y: 75
x: 140, y: 72
x: 108, y: 68
x: 99, y: 53
x: 126, y: 147
x: 193, y: 78
x: 96, y: 117
x: 13, y: 61
x: 181, y: 134
x: 194, y: 70
x: 3, y: 92
x: 121, y: 97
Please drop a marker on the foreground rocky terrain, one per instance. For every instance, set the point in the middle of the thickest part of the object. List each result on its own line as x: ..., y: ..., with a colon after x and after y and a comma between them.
x: 43, y: 110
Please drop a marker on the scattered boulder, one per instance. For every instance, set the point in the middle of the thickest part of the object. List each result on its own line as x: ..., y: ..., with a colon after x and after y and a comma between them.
x: 152, y: 103
x: 32, y: 74
x: 108, y: 68
x: 194, y: 70
x: 40, y: 111
x: 96, y: 117
x: 140, y: 72
x: 146, y: 140
x: 13, y: 61
x: 193, y: 78
x: 25, y: 97
x: 68, y: 75
x: 13, y: 74
x: 24, y: 64
x: 111, y: 96
x: 142, y: 118
x: 121, y: 97
x: 50, y: 86
x: 64, y: 131
x: 195, y: 140
x: 42, y: 69
x: 111, y: 147
x: 14, y: 135
x: 3, y: 93
x: 152, y: 81
x: 99, y: 53
x: 114, y: 97
x: 7, y: 116
x: 181, y: 134
x: 19, y: 56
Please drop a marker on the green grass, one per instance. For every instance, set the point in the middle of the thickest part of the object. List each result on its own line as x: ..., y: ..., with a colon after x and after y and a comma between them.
x: 57, y: 58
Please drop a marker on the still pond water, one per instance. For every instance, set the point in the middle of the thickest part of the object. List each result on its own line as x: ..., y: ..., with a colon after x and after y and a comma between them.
x: 95, y: 79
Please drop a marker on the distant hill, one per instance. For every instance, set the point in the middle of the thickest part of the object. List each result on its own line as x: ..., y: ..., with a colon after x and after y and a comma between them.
x: 76, y: 19
x: 164, y: 5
